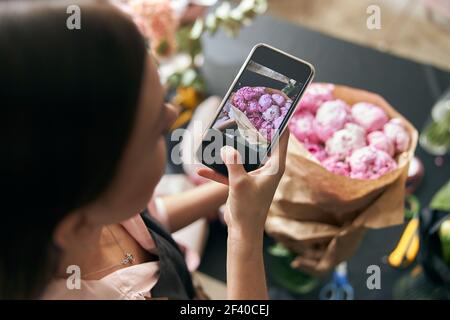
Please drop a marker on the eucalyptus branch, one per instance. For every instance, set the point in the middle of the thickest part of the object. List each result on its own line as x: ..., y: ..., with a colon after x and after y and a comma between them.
x: 231, y: 20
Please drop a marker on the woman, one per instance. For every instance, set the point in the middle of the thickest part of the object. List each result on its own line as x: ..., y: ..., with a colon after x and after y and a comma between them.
x: 82, y: 125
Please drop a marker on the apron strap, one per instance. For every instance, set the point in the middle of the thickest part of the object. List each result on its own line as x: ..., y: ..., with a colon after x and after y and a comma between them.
x: 175, y: 280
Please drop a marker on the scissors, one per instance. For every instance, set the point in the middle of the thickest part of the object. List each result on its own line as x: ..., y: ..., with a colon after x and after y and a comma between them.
x: 339, y: 288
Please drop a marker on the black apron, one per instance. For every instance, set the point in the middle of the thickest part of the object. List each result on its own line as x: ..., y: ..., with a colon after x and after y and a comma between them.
x: 175, y: 280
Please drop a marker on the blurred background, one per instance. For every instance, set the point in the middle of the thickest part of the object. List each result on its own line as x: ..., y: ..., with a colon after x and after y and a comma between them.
x: 414, y: 29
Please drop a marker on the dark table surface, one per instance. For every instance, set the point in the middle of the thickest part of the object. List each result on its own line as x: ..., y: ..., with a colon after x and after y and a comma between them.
x: 412, y: 88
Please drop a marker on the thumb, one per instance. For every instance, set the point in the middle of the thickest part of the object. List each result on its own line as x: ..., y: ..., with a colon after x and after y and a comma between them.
x: 232, y: 159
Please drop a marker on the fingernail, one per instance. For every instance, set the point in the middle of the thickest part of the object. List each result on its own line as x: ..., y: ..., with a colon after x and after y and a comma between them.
x: 224, y: 153
x: 228, y: 155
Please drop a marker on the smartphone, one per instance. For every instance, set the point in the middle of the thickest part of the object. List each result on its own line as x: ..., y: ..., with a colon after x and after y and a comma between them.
x: 256, y: 109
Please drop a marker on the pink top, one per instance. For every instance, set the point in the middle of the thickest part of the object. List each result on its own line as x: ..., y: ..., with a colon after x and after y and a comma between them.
x: 131, y: 283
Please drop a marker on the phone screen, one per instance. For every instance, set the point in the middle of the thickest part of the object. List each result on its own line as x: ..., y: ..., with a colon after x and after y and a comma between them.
x: 257, y: 107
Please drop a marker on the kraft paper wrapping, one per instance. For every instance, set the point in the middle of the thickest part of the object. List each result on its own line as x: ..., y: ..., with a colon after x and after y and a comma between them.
x: 321, y: 216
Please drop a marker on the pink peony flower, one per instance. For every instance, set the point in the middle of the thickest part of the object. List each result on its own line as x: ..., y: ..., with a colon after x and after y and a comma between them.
x: 331, y: 117
x: 314, y: 96
x: 267, y: 124
x: 265, y: 101
x: 259, y: 90
x: 302, y: 127
x: 271, y: 113
x: 277, y: 122
x: 285, y: 108
x: 316, y: 150
x: 239, y: 102
x: 336, y: 166
x: 279, y: 99
x: 248, y: 93
x: 370, y: 163
x: 380, y: 141
x: 252, y: 107
x: 396, y: 132
x: 267, y: 130
x: 369, y: 116
x: 345, y: 141
x: 256, y: 120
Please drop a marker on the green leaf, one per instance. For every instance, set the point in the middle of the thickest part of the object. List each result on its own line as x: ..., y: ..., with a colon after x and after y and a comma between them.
x: 412, y: 206
x: 247, y: 5
x: 278, y: 250
x: 261, y: 6
x: 444, y: 235
x: 185, y: 43
x: 293, y: 280
x: 441, y: 201
x: 197, y: 29
x: 223, y: 11
x: 237, y: 14
x: 163, y: 47
x: 444, y: 230
x: 174, y: 80
x: 188, y: 77
x: 211, y: 23
x: 199, y: 84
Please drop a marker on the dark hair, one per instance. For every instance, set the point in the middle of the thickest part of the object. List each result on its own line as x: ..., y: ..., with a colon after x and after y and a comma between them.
x: 68, y: 101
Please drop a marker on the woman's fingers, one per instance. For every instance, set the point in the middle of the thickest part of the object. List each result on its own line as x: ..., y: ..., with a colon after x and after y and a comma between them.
x: 212, y: 175
x: 232, y: 159
x: 281, y: 148
x: 277, y: 161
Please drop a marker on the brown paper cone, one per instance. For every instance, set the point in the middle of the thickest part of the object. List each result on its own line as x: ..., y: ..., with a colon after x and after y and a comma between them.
x: 322, y: 216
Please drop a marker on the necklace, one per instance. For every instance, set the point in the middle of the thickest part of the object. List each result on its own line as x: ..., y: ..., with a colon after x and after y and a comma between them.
x: 128, y: 258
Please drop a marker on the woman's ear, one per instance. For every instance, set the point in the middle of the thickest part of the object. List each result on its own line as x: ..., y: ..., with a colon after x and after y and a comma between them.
x: 70, y: 230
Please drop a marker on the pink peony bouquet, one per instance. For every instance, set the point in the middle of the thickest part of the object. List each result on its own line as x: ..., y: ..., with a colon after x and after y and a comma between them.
x: 358, y: 141
x: 264, y: 107
x: 347, y: 165
x: 157, y: 21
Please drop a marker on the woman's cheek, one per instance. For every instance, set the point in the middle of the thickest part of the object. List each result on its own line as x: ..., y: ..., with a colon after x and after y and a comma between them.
x: 154, y: 167
x: 160, y: 157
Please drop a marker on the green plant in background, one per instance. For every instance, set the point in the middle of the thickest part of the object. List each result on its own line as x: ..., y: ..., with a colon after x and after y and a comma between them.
x: 225, y: 17
x: 412, y: 206
x: 441, y: 201
x: 188, y: 83
x: 435, y: 137
x: 437, y: 133
x: 444, y: 235
x: 231, y: 20
x: 284, y: 275
x: 416, y: 284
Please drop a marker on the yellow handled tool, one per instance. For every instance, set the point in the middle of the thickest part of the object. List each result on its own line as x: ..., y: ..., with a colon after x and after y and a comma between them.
x: 408, y: 246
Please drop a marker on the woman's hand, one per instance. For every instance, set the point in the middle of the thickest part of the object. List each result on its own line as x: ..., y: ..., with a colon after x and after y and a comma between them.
x: 249, y: 199
x: 250, y: 194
